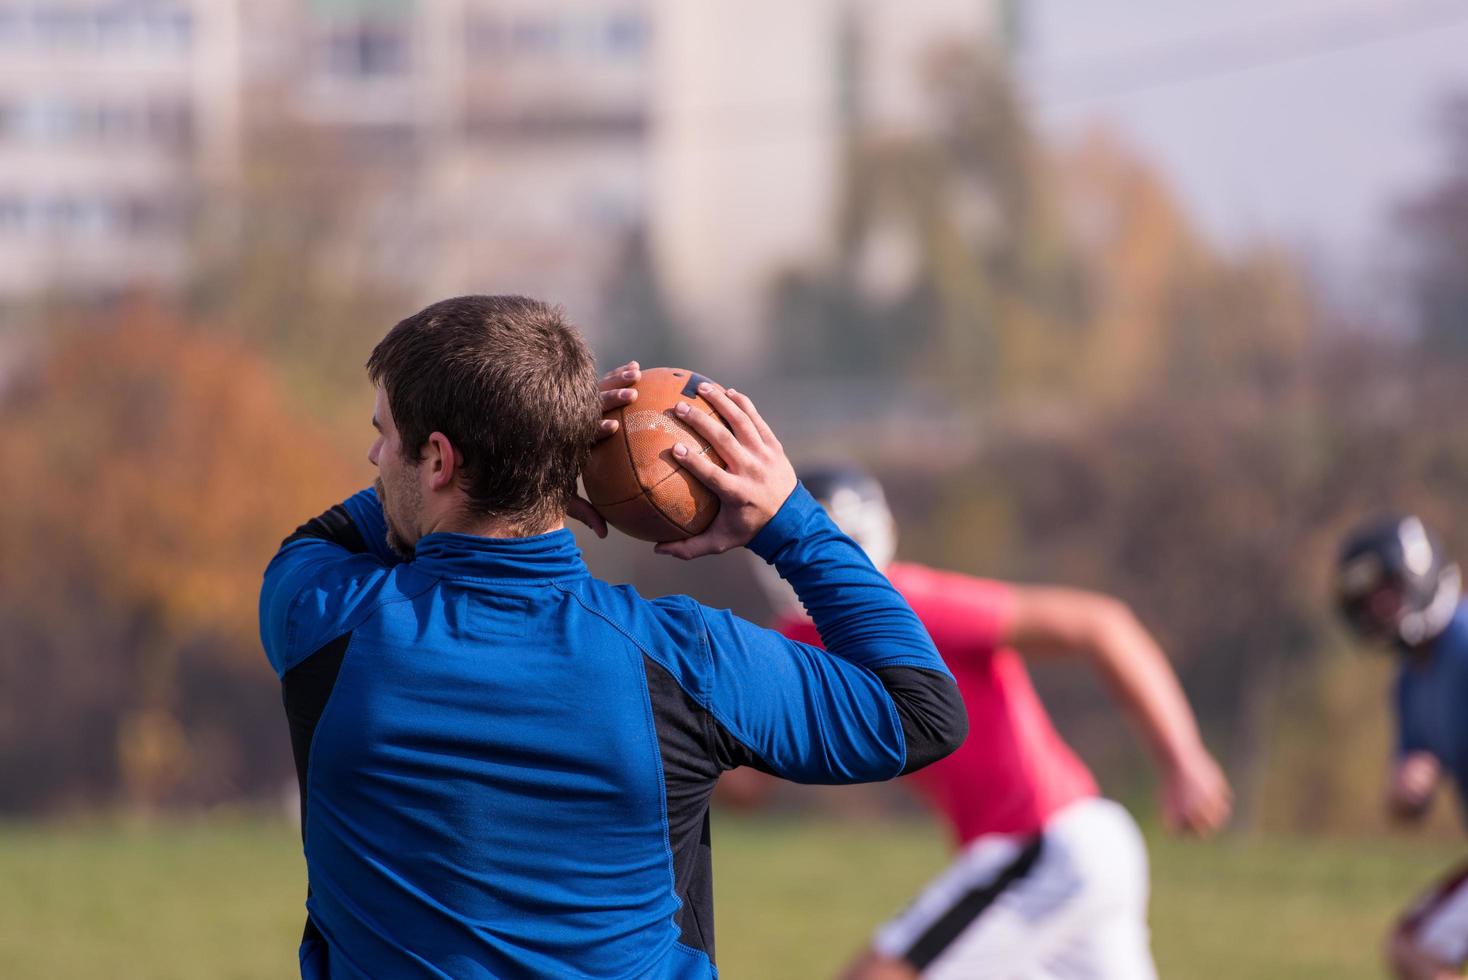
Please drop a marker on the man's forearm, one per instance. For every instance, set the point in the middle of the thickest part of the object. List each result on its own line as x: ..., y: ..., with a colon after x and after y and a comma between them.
x: 1138, y: 672
x: 861, y: 618
x: 859, y: 615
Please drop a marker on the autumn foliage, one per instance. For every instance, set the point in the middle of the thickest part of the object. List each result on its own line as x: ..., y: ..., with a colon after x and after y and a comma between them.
x: 1122, y: 405
x: 151, y: 467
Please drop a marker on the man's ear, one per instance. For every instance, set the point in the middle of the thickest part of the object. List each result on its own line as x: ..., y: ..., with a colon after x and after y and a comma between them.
x: 440, y: 463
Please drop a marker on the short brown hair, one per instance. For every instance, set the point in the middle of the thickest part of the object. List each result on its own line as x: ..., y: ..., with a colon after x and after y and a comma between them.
x: 511, y: 384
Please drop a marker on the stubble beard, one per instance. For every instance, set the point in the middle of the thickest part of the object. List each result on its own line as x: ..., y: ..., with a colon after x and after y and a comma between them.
x: 405, y: 495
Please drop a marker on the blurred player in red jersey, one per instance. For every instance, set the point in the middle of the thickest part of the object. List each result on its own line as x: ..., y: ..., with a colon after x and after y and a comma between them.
x: 1051, y: 879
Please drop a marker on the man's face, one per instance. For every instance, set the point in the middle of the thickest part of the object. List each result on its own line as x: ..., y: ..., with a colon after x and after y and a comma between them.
x: 1375, y: 616
x: 397, y: 481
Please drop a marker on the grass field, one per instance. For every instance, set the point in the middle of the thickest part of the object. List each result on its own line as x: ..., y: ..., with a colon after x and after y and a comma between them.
x: 222, y: 898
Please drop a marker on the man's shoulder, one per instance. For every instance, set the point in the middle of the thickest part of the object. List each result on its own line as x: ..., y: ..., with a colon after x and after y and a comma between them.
x: 1455, y: 637
x: 1448, y: 652
x: 1445, y: 661
x: 314, y: 608
x: 668, y: 628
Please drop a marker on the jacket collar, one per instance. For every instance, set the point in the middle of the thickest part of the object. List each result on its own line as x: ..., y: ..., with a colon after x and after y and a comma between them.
x: 545, y: 556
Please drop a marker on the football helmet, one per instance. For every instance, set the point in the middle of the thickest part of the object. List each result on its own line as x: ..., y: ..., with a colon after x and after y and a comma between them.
x: 1395, y: 584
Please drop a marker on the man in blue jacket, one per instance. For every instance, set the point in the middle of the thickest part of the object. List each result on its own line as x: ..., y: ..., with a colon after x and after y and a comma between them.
x: 1399, y: 590
x: 505, y: 764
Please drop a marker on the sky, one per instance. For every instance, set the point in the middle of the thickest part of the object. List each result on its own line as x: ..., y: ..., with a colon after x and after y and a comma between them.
x: 1294, y: 120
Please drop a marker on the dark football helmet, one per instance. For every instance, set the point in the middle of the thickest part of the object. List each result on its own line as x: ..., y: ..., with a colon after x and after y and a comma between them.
x: 1395, y: 584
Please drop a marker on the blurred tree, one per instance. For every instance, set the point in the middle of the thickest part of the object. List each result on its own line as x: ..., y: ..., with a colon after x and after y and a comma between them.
x: 974, y: 255
x: 1217, y: 513
x: 1146, y: 413
x: 305, y: 256
x: 151, y: 470
x: 1434, y: 224
x: 951, y: 258
x: 639, y: 323
x: 1167, y: 309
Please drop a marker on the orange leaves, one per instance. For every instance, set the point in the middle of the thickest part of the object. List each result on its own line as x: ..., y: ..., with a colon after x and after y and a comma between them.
x: 162, y: 462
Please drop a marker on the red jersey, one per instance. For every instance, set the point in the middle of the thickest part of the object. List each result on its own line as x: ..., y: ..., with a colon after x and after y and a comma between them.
x: 1014, y: 771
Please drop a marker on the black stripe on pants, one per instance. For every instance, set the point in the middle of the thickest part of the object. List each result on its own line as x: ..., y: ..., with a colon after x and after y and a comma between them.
x: 951, y: 924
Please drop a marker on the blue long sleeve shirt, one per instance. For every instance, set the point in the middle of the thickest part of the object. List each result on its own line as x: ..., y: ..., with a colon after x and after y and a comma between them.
x: 1430, y: 695
x: 506, y: 763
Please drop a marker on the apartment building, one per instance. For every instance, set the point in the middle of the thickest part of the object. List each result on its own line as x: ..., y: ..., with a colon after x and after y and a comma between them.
x: 112, y: 114
x: 755, y: 104
x: 522, y: 145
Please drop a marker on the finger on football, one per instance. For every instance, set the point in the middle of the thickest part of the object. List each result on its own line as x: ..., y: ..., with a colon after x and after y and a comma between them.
x: 731, y: 412
x: 714, y: 432
x: 745, y: 402
x: 619, y: 377
x: 616, y: 397
x: 704, y: 469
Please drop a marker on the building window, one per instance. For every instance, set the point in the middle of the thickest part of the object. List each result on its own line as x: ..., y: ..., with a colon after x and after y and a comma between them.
x: 485, y: 35
x: 626, y: 35
x: 535, y: 36
x: 86, y: 216
x: 97, y: 26
x: 612, y: 37
x: 161, y: 123
x: 367, y: 51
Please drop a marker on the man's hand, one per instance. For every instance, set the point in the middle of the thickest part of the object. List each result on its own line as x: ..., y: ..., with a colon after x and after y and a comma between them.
x: 1414, y: 780
x: 1196, y: 798
x: 755, y: 484
x: 617, y: 389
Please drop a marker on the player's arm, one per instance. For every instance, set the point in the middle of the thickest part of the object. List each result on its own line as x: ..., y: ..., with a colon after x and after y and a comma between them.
x: 321, y: 573
x: 1415, y: 771
x: 1103, y: 631
x: 1413, y: 783
x: 878, y: 700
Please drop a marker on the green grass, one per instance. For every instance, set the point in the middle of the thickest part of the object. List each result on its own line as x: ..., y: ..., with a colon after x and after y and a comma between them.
x: 796, y: 899
x: 221, y: 898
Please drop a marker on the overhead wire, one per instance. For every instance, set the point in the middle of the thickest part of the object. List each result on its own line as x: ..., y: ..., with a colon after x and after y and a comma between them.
x: 1201, y: 58
x: 1281, y: 38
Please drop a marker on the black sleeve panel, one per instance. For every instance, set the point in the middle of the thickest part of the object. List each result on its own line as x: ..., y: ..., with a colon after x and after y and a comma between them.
x: 305, y: 689
x: 934, y: 721
x: 689, y: 774
x: 730, y: 753
x: 336, y: 526
x: 695, y: 748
